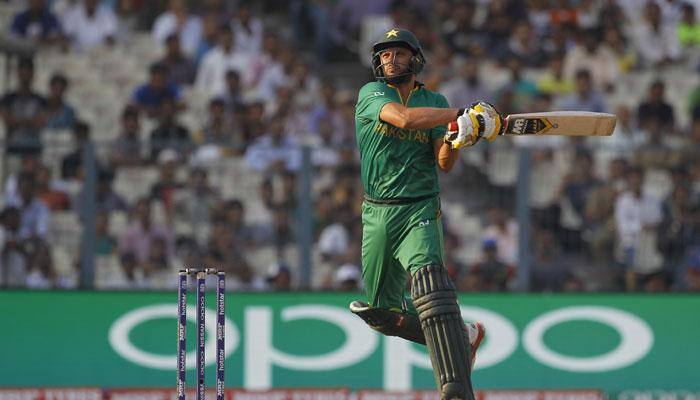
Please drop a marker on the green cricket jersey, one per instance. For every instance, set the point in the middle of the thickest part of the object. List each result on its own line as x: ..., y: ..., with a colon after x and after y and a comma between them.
x: 396, y: 163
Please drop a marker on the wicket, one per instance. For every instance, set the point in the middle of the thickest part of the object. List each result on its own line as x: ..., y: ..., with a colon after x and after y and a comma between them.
x: 201, y: 276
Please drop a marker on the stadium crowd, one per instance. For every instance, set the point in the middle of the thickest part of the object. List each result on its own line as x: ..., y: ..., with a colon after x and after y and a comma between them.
x: 265, y: 78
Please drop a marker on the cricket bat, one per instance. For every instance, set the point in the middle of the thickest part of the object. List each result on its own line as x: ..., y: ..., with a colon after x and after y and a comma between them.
x: 562, y: 123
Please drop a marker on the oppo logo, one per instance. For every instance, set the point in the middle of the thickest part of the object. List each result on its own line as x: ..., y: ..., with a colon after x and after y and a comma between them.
x: 400, y: 357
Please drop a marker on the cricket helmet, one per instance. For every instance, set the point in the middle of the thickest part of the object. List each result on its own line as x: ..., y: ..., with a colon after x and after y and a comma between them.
x: 397, y: 37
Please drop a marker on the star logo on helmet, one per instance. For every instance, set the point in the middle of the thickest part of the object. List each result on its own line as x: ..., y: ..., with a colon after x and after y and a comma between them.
x: 392, y: 33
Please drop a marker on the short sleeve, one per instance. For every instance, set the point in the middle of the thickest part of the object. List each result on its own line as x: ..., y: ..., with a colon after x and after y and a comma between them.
x: 439, y: 131
x: 373, y: 96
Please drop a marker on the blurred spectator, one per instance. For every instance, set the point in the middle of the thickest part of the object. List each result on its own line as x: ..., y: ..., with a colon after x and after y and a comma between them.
x: 181, y: 69
x: 279, y: 277
x: 522, y: 89
x: 305, y: 86
x: 524, y: 46
x: 688, y: 27
x: 143, y: 233
x: 326, y: 108
x: 599, y: 212
x: 637, y: 216
x: 656, y: 41
x: 234, y: 219
x: 40, y: 270
x: 627, y: 136
x: 34, y: 214
x: 624, y: 53
x: 503, y: 230
x: 334, y: 239
x: 164, y: 188
x: 126, y: 148
x: 324, y: 153
x: 178, y: 20
x: 72, y: 164
x: 548, y: 269
x: 105, y: 243
x: 490, y: 273
x: 129, y: 14
x: 211, y: 21
x: 150, y: 96
x: 89, y: 25
x: 106, y: 199
x: 586, y: 98
x: 169, y: 133
x: 347, y: 278
x: 60, y: 114
x: 232, y: 95
x: 24, y: 112
x: 656, y: 106
x: 211, y: 76
x: 314, y: 19
x: 275, y: 149
x: 37, y: 22
x: 655, y: 152
x: 219, y: 132
x: 12, y: 256
x: 194, y: 204
x: 49, y: 191
x: 158, y: 260
x: 467, y: 86
x: 133, y: 275
x: 678, y: 226
x: 690, y: 270
x: 247, y: 29
x: 278, y: 72
x: 554, y: 82
x: 459, y: 30
x: 592, y: 55
x: 575, y: 188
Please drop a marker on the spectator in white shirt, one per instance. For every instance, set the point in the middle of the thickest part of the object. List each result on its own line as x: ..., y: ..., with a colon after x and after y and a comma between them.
x: 178, y: 20
x: 636, y: 217
x: 34, y: 213
x: 504, y: 231
x: 88, y: 25
x: 247, y: 29
x: 598, y: 58
x: 656, y: 42
x: 211, y: 77
x: 275, y: 149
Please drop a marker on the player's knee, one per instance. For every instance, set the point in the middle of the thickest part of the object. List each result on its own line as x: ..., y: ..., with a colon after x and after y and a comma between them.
x: 433, y: 292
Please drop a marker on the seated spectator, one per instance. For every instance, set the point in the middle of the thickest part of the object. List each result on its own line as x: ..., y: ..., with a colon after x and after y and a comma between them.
x: 655, y: 106
x: 504, y: 231
x: 324, y: 152
x: 49, y: 191
x: 334, y: 240
x: 688, y: 28
x: 490, y: 274
x: 656, y: 152
x: 233, y: 214
x: 169, y: 134
x: 178, y: 20
x: 211, y: 21
x: 522, y: 89
x: 126, y: 148
x: 637, y: 216
x: 279, y: 277
x: 142, y: 232
x: 548, y: 269
x: 232, y: 96
x: 678, y: 226
x: 627, y: 136
x: 40, y: 269
x: 158, y: 260
x: 586, y: 98
x: 23, y: 112
x: 220, y: 132
x: 590, y: 54
x: 38, y: 23
x: 133, y: 274
x: 460, y: 33
x: 89, y: 25
x: 276, y: 73
x: 60, y: 114
x: 195, y: 203
x: 274, y: 150
x: 656, y: 41
x: 13, y: 261
x: 105, y: 243
x: 72, y: 164
x: 181, y: 69
x: 34, y: 213
x: 164, y: 188
x: 150, y: 96
x: 347, y: 278
x: 247, y: 29
x: 575, y: 189
x: 523, y: 46
x: 211, y: 76
x: 466, y: 86
x: 106, y: 198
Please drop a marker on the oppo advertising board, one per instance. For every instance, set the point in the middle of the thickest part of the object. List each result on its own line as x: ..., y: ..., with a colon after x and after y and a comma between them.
x: 615, y: 343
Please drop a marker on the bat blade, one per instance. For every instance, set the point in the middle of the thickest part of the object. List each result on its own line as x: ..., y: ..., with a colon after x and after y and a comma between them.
x: 562, y: 123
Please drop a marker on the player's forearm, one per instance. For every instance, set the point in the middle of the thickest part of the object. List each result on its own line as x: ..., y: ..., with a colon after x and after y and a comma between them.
x: 447, y: 157
x: 417, y: 117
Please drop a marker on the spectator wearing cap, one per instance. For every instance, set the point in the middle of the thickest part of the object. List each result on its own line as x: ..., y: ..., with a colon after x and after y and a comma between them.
x: 37, y: 22
x: 178, y: 19
x: 169, y: 134
x: 88, y: 24
x: 347, y: 278
x: 586, y: 97
x: 60, y: 114
x: 126, y: 148
x: 181, y: 69
x: 656, y: 41
x: 150, y: 96
x: 211, y: 75
x: 490, y: 274
x: 590, y: 54
x: 34, y: 214
x: 23, y: 112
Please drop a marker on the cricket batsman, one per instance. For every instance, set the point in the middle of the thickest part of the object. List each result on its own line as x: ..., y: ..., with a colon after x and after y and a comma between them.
x: 401, y: 134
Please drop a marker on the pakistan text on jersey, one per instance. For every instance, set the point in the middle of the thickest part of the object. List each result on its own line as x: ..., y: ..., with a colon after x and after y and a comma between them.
x: 417, y: 135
